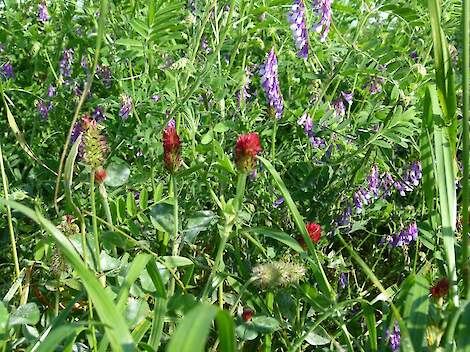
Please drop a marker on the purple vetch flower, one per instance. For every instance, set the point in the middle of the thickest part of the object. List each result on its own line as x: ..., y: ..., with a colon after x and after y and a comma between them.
x: 51, y: 91
x: 205, y: 45
x: 386, y: 183
x: 65, y: 65
x: 298, y: 26
x: 414, y: 174
x: 277, y: 203
x: 270, y: 83
x: 155, y: 98
x: 171, y: 123
x: 414, y: 56
x: 348, y: 97
x: 361, y: 198
x: 104, y: 73
x: 373, y: 181
x: 43, y: 15
x: 343, y: 280
x: 345, y: 218
x: 339, y: 107
x: 253, y: 174
x: 243, y: 94
x: 323, y: 10
x: 84, y: 63
x: 7, y: 71
x: 375, y: 85
x: 126, y: 106
x: 76, y: 131
x: 394, y: 337
x: 43, y: 109
x: 404, y: 237
x: 137, y: 197
x: 306, y: 121
x: 98, y: 114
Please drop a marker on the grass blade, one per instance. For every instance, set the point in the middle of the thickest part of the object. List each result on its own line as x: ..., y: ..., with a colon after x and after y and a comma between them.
x: 115, y: 326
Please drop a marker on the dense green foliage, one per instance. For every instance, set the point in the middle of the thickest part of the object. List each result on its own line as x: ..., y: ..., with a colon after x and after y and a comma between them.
x: 166, y: 185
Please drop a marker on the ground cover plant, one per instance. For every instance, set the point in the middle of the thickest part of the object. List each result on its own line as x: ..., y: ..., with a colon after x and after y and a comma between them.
x: 272, y: 175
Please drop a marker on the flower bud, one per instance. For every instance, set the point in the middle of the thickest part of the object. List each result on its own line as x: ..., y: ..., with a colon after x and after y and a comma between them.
x: 171, y: 148
x: 440, y: 288
x: 247, y: 314
x: 246, y: 149
x: 100, y: 174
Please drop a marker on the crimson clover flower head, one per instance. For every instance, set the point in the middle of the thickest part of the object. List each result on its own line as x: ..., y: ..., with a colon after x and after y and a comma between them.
x: 314, y: 232
x: 247, y: 148
x: 247, y: 314
x: 171, y: 148
x: 440, y: 288
x: 270, y: 83
x: 323, y: 10
x: 298, y: 26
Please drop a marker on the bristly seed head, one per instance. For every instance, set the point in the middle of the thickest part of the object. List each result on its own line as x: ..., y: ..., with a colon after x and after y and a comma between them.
x: 278, y: 274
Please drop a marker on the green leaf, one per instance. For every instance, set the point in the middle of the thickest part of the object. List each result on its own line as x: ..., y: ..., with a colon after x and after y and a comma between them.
x: 246, y: 331
x: 25, y: 314
x: 162, y: 218
x: 54, y: 339
x: 416, y: 311
x: 264, y: 324
x: 3, y: 318
x: 369, y: 317
x: 198, y: 222
x: 117, y: 174
x: 176, y: 261
x: 192, y: 332
x: 279, y: 236
x: 136, y: 310
x: 318, y: 337
x: 462, y: 337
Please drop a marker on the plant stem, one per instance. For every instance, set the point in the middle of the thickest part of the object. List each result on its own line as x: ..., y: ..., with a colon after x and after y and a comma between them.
x: 10, y: 221
x: 466, y: 145
x: 93, y: 220
x: 218, y: 259
x: 273, y: 140
x: 241, y: 186
x: 175, y: 248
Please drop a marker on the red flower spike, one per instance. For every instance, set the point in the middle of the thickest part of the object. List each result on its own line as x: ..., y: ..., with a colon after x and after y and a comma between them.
x: 100, y: 175
x: 247, y: 148
x: 171, y: 149
x: 314, y: 232
x: 440, y: 288
x: 247, y: 314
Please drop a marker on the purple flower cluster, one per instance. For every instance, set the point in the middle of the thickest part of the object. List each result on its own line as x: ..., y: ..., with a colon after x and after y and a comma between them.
x: 375, y: 85
x: 98, y: 114
x: 343, y: 280
x: 155, y: 98
x: 76, y: 131
x: 382, y: 185
x: 298, y: 21
x: 126, y: 106
x: 410, y: 179
x: 323, y: 10
x: 7, y: 71
x: 339, y: 103
x: 65, y: 65
x: 270, y: 83
x: 51, y: 90
x: 104, y: 73
x: 43, y: 14
x: 43, y: 108
x: 243, y: 94
x: 404, y: 237
x: 278, y: 202
x: 394, y: 337
x: 307, y: 123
